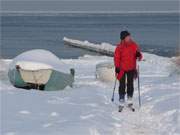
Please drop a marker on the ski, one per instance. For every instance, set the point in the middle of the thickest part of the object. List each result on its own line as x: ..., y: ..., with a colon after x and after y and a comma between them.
x: 121, y: 108
x: 130, y: 106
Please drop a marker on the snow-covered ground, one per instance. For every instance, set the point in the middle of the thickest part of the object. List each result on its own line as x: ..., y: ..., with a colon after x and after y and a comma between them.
x: 86, y: 109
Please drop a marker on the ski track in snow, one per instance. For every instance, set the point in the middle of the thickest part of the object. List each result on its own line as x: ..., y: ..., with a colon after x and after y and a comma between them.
x: 86, y: 109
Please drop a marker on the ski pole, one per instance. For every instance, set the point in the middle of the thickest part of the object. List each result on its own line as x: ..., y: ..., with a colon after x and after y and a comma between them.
x: 139, y: 88
x: 112, y: 99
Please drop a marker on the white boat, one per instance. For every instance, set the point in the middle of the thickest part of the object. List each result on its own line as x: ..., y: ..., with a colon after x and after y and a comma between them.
x: 105, y: 71
x: 40, y: 69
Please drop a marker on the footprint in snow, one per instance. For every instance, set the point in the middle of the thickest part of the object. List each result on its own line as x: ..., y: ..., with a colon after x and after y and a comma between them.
x: 149, y: 98
x: 87, y: 116
x: 10, y: 133
x: 54, y: 114
x: 24, y: 112
x: 47, y: 125
x: 57, y: 100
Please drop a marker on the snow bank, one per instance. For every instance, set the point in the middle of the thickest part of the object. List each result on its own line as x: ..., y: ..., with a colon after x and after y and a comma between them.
x: 86, y: 109
x: 103, y: 48
x: 176, y: 66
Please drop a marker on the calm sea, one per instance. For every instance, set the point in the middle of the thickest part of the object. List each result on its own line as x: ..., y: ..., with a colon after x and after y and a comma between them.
x: 155, y: 33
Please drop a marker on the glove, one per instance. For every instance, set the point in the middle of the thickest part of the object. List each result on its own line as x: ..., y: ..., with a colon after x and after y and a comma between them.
x: 117, y: 70
x: 138, y: 54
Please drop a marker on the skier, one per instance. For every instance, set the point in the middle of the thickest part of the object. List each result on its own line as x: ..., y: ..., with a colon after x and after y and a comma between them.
x: 125, y: 56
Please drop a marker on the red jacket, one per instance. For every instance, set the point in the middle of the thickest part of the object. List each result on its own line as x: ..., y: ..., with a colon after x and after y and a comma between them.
x: 125, y: 57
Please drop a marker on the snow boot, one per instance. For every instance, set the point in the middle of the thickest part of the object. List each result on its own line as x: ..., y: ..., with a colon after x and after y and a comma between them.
x: 121, y: 105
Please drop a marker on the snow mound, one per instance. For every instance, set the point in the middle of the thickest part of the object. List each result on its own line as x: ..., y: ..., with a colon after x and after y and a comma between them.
x: 43, y: 57
x: 176, y: 66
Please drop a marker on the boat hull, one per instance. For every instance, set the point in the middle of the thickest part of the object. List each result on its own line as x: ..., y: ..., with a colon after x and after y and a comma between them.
x: 57, y: 81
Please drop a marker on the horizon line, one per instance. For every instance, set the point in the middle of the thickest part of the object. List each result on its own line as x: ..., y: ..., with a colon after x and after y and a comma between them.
x: 93, y: 12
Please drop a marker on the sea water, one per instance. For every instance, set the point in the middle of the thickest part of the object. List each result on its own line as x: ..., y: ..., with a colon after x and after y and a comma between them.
x: 155, y: 32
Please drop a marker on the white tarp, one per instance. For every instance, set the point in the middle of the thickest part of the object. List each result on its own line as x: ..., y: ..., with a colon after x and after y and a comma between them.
x: 36, y: 76
x: 34, y: 72
x: 28, y: 65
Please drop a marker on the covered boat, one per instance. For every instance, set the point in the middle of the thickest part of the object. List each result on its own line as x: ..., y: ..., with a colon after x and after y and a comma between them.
x: 105, y: 71
x: 40, y: 69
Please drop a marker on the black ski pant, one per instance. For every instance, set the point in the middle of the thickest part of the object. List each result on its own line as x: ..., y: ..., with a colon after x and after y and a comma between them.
x: 126, y: 84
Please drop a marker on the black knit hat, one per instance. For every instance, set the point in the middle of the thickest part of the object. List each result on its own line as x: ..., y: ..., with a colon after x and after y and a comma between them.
x: 124, y: 34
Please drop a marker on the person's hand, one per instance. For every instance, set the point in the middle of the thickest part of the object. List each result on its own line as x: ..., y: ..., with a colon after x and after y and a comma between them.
x: 117, y: 70
x: 138, y: 55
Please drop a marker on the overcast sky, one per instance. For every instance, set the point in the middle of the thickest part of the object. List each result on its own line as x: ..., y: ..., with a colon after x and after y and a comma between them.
x: 89, y: 6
